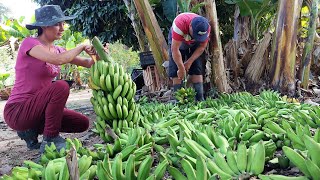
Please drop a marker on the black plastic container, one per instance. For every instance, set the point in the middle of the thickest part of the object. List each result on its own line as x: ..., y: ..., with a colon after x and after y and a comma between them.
x: 146, y: 59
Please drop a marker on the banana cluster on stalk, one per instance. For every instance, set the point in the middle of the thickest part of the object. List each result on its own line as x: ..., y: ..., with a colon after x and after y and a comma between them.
x: 185, y: 95
x: 113, y: 94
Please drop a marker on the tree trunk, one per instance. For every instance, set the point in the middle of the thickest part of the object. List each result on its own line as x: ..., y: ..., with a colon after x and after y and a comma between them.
x: 307, y: 52
x: 155, y: 36
x: 219, y: 77
x: 143, y: 43
x: 284, y: 47
x: 253, y: 73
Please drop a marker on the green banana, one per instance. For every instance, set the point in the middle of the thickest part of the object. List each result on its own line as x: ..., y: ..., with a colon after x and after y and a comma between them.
x: 117, y: 172
x: 313, y: 149
x: 130, y: 168
x: 222, y: 164
x: 232, y: 162
x: 202, y: 169
x: 188, y: 169
x: 313, y: 169
x: 258, y: 161
x: 175, y: 173
x: 296, y: 159
x: 161, y: 169
x: 145, y: 167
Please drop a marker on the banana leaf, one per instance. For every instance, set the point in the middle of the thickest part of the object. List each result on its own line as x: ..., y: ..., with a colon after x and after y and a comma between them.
x: 169, y: 9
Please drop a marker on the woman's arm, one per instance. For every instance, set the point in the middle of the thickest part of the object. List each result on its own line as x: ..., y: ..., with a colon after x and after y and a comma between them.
x: 41, y: 53
x: 81, y: 61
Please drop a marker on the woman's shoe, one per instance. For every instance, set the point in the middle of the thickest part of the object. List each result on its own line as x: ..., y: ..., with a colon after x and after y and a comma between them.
x: 31, y: 138
x: 58, y: 141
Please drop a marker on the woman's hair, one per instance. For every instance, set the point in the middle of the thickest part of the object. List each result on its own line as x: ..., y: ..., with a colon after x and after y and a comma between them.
x: 40, y: 31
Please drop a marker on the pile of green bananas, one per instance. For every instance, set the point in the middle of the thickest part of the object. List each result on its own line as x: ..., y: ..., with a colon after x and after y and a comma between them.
x: 185, y: 95
x: 308, y: 164
x: 113, y: 94
x: 52, y: 153
x: 133, y: 169
x: 233, y: 165
x: 56, y: 169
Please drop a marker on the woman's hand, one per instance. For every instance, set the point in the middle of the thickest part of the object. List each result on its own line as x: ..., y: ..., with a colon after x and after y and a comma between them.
x: 89, y: 49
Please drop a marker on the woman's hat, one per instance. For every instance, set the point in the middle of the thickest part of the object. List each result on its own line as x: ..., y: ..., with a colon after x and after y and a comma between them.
x: 48, y: 15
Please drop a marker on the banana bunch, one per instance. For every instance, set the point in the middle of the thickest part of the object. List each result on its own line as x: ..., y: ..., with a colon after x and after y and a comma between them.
x: 131, y: 169
x: 136, y: 136
x: 196, y: 169
x: 185, y: 95
x: 309, y: 165
x: 285, y: 98
x: 24, y: 173
x: 113, y: 92
x: 269, y: 96
x: 100, y: 129
x: 57, y: 169
x: 243, y: 161
x: 51, y: 153
x: 310, y: 117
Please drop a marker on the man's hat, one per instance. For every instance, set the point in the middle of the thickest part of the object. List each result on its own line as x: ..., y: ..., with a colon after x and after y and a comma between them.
x: 200, y: 27
x: 48, y: 15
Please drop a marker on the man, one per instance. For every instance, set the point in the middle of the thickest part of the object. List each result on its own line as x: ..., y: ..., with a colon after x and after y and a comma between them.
x: 188, y: 38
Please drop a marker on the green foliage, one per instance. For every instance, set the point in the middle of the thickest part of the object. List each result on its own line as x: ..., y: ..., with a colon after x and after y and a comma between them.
x: 184, y: 6
x: 70, y: 40
x: 3, y: 78
x: 106, y: 19
x: 13, y: 28
x: 6, y: 66
x: 169, y: 9
x: 261, y: 12
x: 125, y: 56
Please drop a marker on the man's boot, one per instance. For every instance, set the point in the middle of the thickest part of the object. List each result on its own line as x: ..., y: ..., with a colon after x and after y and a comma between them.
x: 31, y: 138
x: 198, y: 87
x: 176, y: 87
x: 58, y: 141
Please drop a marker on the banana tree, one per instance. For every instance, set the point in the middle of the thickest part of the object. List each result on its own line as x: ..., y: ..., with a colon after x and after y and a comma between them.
x: 283, y: 54
x: 155, y: 36
x: 253, y: 18
x: 218, y: 76
x: 307, y: 53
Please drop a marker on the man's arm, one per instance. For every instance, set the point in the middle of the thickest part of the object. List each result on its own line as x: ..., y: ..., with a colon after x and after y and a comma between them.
x: 177, y: 58
x: 197, y: 53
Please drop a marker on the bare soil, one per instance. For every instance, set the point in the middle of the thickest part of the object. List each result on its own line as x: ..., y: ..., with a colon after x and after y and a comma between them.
x: 13, y: 150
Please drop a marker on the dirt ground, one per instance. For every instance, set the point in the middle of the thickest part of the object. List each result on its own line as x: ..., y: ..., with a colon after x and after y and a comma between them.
x: 13, y: 150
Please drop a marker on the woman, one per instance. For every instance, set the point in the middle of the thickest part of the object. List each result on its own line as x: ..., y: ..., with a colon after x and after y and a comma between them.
x: 37, y: 105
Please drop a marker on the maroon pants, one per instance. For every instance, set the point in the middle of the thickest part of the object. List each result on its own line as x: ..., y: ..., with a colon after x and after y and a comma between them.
x: 46, y: 112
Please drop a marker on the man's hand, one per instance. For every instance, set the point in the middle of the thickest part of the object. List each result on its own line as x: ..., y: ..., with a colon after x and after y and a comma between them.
x: 181, y: 73
x: 187, y: 65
